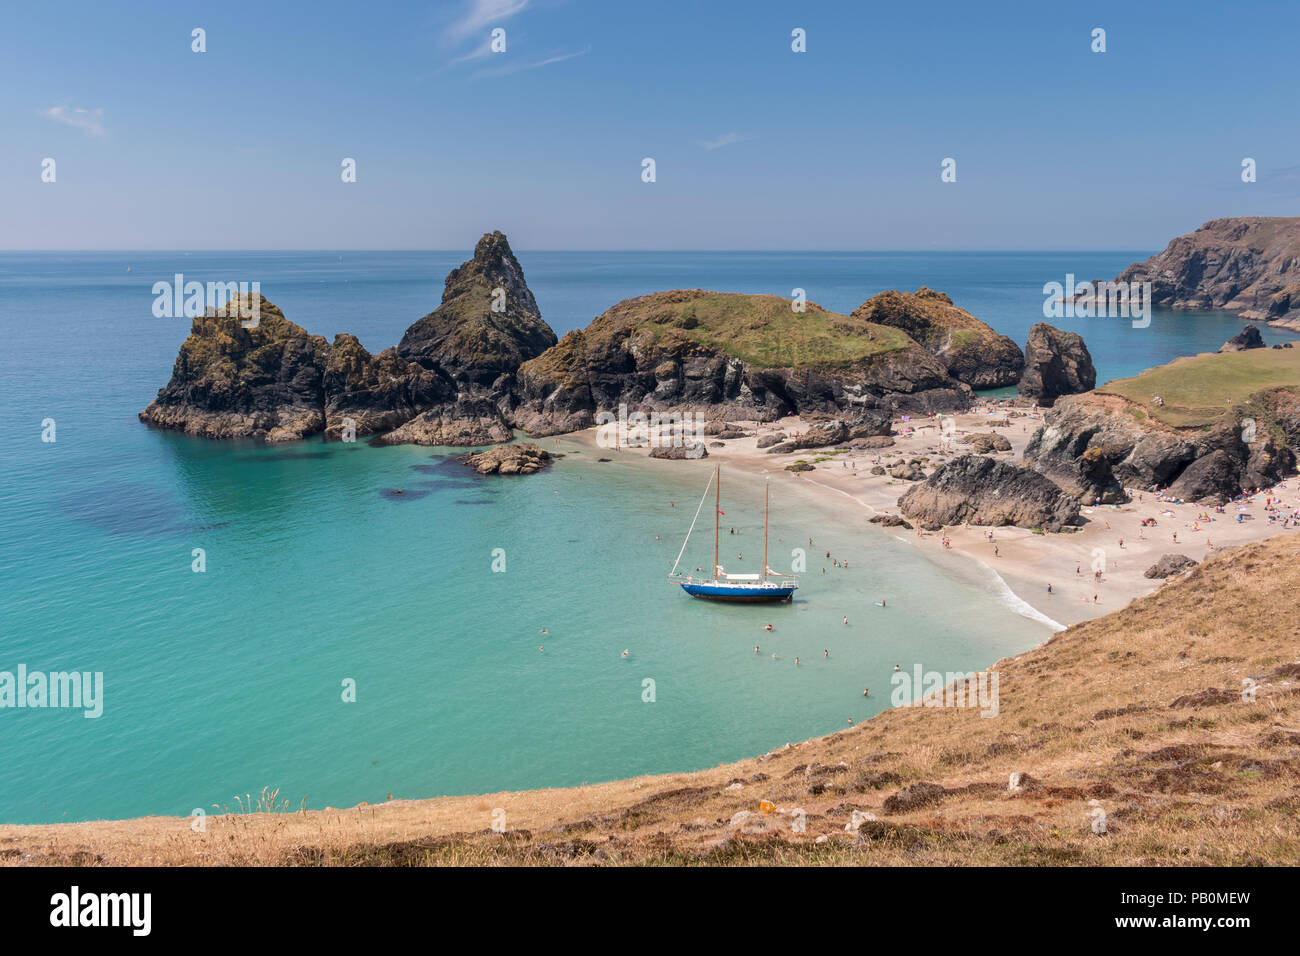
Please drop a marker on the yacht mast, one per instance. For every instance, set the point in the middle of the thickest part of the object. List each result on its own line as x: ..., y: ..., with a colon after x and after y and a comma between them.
x: 767, y: 497
x: 717, y: 504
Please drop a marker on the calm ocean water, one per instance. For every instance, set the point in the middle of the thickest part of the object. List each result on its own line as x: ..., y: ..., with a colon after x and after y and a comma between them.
x: 221, y: 683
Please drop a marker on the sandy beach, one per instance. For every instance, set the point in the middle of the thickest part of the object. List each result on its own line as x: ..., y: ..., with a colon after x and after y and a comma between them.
x: 1112, y: 538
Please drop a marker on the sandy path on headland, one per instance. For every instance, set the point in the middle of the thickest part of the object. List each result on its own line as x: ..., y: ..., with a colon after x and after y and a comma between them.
x: 1025, y: 561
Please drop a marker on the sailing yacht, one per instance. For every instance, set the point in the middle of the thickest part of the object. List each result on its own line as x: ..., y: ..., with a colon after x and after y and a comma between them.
x: 770, y: 586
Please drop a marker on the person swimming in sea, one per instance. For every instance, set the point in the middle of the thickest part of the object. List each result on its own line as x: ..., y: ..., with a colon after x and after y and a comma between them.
x: 624, y: 654
x: 866, y: 692
x: 768, y: 627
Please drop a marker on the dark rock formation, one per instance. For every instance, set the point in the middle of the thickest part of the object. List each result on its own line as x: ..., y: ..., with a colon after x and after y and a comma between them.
x: 236, y: 382
x: 1086, y: 436
x: 984, y: 442
x: 448, y: 383
x: 907, y: 471
x: 376, y: 393
x: 721, y: 354
x: 972, y: 352
x: 1056, y: 363
x: 1169, y: 564
x: 1215, y: 477
x: 985, y: 491
x: 890, y: 521
x: 1247, y: 338
x: 680, y: 452
x: 524, y: 458
x: 1250, y: 264
x: 488, y: 323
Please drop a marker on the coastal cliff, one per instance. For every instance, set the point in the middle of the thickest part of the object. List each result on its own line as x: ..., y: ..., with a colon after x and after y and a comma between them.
x: 728, y: 355
x: 484, y: 363
x: 447, y: 382
x: 1247, y: 264
x: 1207, y: 427
x: 971, y: 351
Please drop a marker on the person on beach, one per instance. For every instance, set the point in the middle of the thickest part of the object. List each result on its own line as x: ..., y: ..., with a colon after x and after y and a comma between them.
x: 1049, y: 590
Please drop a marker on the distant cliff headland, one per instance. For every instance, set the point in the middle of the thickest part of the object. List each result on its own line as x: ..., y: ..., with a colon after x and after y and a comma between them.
x: 1248, y: 264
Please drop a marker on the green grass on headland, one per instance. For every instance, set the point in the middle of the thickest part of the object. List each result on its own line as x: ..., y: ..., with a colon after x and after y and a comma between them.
x: 764, y: 331
x: 1199, y: 389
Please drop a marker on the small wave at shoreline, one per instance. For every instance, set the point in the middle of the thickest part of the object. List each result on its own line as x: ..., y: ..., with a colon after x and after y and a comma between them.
x: 1001, y: 590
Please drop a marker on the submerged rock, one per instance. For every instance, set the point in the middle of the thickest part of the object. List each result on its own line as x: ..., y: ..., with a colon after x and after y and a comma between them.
x: 523, y: 458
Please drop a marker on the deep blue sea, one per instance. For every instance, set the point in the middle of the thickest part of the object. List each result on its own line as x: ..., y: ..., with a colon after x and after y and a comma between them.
x: 223, y: 682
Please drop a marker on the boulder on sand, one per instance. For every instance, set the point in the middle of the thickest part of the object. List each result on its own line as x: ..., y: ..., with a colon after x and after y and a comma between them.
x: 1056, y: 363
x: 988, y: 492
x: 1169, y: 564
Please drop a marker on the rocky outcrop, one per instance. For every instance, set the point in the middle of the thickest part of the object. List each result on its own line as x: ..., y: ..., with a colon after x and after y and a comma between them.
x: 981, y: 490
x: 971, y: 351
x: 1094, y: 445
x: 488, y: 323
x: 1247, y: 338
x: 1247, y: 264
x: 723, y: 354
x: 1056, y: 363
x: 378, y: 393
x: 230, y: 381
x: 523, y: 458
x: 447, y: 383
x: 984, y: 442
x: 683, y: 451
x: 871, y: 423
x: 1169, y: 564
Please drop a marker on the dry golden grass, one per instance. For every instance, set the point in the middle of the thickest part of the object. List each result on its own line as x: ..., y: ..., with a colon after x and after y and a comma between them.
x: 1141, y: 711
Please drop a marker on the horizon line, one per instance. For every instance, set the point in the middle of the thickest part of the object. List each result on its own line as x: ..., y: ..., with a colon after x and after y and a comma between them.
x: 460, y: 251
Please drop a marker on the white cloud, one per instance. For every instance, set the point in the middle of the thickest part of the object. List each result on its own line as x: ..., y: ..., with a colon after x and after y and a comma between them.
x: 482, y: 14
x: 92, y: 121
x: 726, y: 139
x: 520, y: 67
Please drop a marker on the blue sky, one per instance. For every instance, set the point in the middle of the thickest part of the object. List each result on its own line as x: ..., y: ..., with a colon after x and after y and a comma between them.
x: 756, y: 147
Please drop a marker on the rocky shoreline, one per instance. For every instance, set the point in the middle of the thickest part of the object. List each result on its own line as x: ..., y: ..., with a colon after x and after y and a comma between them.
x: 485, y: 364
x: 1247, y: 264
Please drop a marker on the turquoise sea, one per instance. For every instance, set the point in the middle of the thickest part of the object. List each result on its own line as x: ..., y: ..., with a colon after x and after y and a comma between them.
x: 227, y: 681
